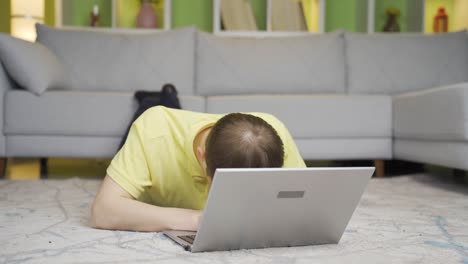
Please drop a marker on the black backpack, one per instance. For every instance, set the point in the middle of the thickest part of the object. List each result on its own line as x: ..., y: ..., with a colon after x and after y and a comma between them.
x: 166, y: 97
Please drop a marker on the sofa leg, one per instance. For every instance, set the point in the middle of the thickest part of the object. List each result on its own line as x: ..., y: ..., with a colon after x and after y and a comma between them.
x: 379, y: 168
x: 3, y: 163
x: 459, y: 176
x: 43, y: 168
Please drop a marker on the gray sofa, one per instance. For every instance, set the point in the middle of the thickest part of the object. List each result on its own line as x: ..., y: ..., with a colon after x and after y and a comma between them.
x: 342, y: 95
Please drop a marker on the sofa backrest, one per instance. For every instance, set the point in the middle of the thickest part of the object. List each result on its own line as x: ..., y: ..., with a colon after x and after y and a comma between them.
x: 123, y: 61
x: 396, y: 63
x: 272, y: 65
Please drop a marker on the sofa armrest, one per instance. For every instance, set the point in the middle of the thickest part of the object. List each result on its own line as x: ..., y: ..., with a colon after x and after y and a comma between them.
x: 5, y: 84
x: 434, y: 114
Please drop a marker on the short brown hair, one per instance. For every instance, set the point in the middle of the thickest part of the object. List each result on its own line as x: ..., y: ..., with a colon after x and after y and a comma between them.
x: 243, y: 141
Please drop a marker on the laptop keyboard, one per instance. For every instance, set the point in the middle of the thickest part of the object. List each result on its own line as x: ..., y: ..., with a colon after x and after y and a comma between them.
x: 189, y: 239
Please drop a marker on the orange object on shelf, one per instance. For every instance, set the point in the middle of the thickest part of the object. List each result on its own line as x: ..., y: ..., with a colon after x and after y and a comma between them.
x: 441, y: 21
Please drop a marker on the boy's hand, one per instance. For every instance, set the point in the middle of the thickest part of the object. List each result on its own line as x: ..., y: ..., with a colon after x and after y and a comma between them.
x: 185, y: 219
x: 115, y: 209
x: 197, y: 216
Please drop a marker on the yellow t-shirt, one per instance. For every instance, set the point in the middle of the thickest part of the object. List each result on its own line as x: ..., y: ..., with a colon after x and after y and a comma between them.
x: 157, y: 164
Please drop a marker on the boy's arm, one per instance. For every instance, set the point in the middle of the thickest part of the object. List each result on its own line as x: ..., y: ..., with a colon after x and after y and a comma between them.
x: 114, y: 208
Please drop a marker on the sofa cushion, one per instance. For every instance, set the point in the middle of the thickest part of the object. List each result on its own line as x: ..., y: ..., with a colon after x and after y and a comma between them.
x: 292, y: 65
x: 123, y: 61
x: 75, y: 113
x: 316, y: 116
x: 434, y: 114
x: 396, y: 63
x: 31, y: 65
x: 452, y: 154
x: 345, y: 148
x: 62, y: 146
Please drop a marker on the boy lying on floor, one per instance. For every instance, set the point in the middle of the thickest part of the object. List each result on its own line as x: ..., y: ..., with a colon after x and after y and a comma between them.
x: 160, y: 178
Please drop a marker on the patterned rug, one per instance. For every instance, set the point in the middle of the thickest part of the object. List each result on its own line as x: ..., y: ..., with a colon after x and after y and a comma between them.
x: 413, y: 218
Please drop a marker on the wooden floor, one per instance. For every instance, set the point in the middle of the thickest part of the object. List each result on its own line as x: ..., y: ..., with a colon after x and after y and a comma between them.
x: 29, y: 169
x: 60, y: 168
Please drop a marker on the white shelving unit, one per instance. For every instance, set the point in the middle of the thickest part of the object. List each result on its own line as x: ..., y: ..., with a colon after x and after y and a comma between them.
x: 263, y: 33
x: 371, y: 4
x: 114, y: 17
x: 58, y: 13
x: 370, y: 16
x: 370, y: 24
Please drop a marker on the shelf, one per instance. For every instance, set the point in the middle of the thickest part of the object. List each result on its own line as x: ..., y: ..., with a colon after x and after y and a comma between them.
x: 298, y: 19
x: 409, y: 20
x: 350, y: 15
x: 112, y: 13
x: 127, y: 12
x: 418, y: 15
x: 78, y: 13
x: 457, y: 11
x: 318, y: 15
x: 263, y: 34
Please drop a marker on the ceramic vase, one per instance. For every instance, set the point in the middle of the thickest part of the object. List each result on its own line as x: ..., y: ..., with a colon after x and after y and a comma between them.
x: 146, y: 16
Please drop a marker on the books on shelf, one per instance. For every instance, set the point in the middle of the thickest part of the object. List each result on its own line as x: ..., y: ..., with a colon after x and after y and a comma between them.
x: 287, y: 15
x: 237, y: 15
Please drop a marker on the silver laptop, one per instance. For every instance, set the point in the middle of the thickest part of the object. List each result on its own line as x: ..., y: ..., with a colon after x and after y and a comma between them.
x: 276, y: 207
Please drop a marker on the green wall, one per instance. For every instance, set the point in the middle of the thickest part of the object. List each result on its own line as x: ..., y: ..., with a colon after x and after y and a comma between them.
x: 198, y: 13
x: 49, y: 12
x: 78, y: 13
x: 349, y: 15
x: 5, y: 16
x: 415, y: 13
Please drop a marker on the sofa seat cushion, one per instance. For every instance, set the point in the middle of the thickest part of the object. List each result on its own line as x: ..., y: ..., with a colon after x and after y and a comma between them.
x: 452, y: 154
x: 75, y: 113
x: 122, y: 60
x: 345, y: 148
x: 317, y: 116
x: 433, y: 114
x: 294, y: 65
x: 398, y: 63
